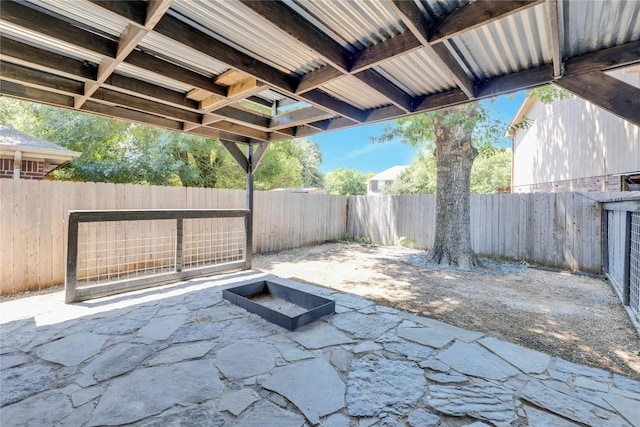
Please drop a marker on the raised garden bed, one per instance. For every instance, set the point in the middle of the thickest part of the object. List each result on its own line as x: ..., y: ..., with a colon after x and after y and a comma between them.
x: 283, y: 305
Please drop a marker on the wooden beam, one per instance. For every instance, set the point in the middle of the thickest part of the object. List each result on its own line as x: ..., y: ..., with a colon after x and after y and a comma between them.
x: 335, y: 105
x: 316, y: 78
x: 34, y: 78
x: 397, y: 97
x: 555, y: 36
x: 415, y: 21
x: 259, y: 154
x: 155, y: 11
x: 33, y: 57
x: 297, y: 117
x: 476, y: 14
x: 333, y: 53
x: 114, y: 111
x: 241, y: 116
x: 33, y: 94
x: 141, y: 104
x: 388, y: 49
x: 605, y: 59
x: 608, y: 93
x: 191, y: 37
x: 297, y: 27
x: 129, y: 39
x: 58, y: 29
x: 236, y: 129
x: 148, y: 90
x: 508, y: 83
x: 237, y: 154
x: 175, y: 72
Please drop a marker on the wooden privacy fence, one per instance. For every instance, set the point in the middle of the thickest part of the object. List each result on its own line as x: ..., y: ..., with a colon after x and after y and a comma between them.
x: 553, y: 229
x: 33, y: 220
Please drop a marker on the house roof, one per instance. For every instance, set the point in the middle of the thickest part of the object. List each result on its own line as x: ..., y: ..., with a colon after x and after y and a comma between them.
x: 32, y: 148
x: 388, y: 174
x: 224, y: 69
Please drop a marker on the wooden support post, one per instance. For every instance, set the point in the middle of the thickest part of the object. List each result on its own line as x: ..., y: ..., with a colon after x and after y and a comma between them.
x: 179, y: 234
x: 72, y: 261
x: 249, y: 217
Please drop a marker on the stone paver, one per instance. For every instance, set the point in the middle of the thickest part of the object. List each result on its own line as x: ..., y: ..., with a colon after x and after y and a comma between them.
x: 184, y: 356
x: 314, y: 387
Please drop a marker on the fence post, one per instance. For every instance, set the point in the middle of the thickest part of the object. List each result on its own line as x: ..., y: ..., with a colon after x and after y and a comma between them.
x: 72, y: 260
x: 179, y: 234
x: 626, y: 277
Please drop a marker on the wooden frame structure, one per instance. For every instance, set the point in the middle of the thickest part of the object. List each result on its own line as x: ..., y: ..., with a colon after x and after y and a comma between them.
x: 75, y: 294
x: 255, y: 72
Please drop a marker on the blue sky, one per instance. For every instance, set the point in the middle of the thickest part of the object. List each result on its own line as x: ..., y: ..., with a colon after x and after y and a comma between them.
x: 353, y: 149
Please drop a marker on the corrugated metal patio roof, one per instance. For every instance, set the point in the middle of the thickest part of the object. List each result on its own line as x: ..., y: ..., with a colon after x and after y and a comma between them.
x: 184, y: 65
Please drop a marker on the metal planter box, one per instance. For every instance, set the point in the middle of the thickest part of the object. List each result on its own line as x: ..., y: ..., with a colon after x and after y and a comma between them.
x: 280, y: 304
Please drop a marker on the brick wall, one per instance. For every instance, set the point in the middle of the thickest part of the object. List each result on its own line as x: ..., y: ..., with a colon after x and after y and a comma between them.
x: 595, y: 183
x: 30, y: 169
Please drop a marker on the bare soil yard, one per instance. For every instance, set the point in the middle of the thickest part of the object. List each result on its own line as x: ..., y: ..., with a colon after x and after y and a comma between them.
x: 574, y: 317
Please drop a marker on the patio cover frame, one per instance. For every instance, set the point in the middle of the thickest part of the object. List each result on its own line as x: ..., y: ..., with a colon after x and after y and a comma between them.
x: 187, y: 67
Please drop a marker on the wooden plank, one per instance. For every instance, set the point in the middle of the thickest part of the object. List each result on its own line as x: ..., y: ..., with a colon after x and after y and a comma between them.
x: 7, y: 196
x: 22, y: 229
x: 44, y: 260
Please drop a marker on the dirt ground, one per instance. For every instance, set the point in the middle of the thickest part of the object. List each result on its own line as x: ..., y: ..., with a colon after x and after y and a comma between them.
x: 575, y: 317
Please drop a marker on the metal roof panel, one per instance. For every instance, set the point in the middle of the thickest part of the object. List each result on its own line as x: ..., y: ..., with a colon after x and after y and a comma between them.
x: 250, y: 33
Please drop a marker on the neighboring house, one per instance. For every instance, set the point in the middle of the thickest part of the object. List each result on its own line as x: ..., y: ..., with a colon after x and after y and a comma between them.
x: 572, y: 145
x: 377, y: 183
x: 25, y: 157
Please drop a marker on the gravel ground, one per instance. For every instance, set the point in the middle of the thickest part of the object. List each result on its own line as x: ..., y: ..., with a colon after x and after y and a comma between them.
x: 571, y: 316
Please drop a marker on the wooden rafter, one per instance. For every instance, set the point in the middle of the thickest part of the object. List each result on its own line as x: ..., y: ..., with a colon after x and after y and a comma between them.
x: 297, y: 117
x: 416, y: 22
x: 608, y: 93
x: 334, y: 54
x: 474, y: 15
x: 33, y: 70
x: 555, y: 37
x: 129, y: 40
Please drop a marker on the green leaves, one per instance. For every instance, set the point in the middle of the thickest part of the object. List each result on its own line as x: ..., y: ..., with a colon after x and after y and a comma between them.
x: 121, y: 152
x: 347, y: 182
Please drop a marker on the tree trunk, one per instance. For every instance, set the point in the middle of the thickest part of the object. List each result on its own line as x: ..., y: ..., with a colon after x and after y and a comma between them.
x: 454, y: 157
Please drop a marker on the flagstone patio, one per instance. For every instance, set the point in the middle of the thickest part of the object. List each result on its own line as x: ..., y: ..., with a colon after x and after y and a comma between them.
x: 181, y: 355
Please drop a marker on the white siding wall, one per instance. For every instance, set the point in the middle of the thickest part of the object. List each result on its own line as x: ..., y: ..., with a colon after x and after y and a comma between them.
x: 573, y: 138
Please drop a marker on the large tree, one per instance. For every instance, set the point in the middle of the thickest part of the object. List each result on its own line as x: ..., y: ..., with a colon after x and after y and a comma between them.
x: 491, y: 173
x: 457, y: 134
